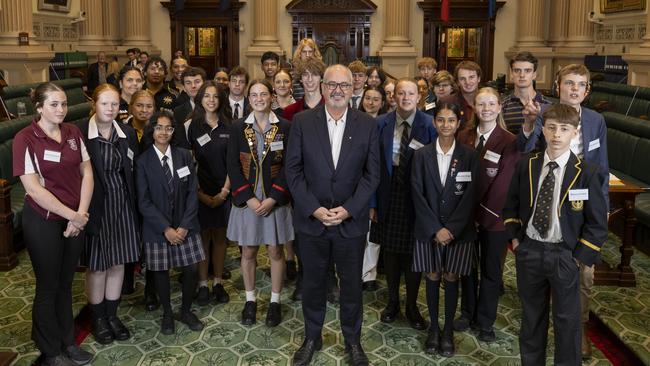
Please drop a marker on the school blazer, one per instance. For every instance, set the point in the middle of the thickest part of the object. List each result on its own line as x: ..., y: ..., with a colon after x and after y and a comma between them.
x: 594, y: 143
x: 422, y: 132
x: 153, y: 193
x: 583, y: 223
x: 244, y: 165
x: 493, y: 178
x: 313, y: 180
x: 96, y: 209
x: 451, y: 206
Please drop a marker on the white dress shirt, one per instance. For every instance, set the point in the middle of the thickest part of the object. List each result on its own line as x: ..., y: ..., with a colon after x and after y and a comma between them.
x: 397, y: 134
x: 486, y: 136
x: 554, y: 234
x: 335, y: 128
x: 444, y: 160
x: 240, y: 110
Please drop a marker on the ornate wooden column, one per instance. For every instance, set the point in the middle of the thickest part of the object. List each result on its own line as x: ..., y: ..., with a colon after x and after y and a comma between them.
x: 397, y: 52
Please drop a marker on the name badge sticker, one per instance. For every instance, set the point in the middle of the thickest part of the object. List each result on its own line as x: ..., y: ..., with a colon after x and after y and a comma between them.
x: 224, y: 135
x: 415, y: 144
x: 203, y: 139
x: 183, y: 172
x: 50, y: 155
x: 492, y: 156
x: 464, y: 177
x: 129, y: 153
x: 593, y: 145
x: 579, y: 195
x: 277, y: 145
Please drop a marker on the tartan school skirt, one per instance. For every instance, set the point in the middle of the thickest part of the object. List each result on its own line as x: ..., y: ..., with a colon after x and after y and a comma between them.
x: 164, y: 256
x: 456, y: 257
x: 395, y: 232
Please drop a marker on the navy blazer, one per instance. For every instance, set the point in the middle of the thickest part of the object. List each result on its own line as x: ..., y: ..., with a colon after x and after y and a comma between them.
x: 594, y: 132
x: 583, y: 223
x: 314, y: 182
x: 153, y: 193
x: 124, y: 144
x: 422, y: 131
x: 451, y: 206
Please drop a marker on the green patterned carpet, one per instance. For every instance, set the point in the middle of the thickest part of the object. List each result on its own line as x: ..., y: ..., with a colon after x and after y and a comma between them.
x: 224, y: 341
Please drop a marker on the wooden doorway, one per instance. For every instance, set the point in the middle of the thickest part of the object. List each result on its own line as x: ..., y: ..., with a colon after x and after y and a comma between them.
x: 205, y: 47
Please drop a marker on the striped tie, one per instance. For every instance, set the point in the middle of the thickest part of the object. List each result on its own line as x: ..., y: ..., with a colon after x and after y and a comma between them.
x: 403, y: 147
x: 542, y: 217
x: 168, y: 173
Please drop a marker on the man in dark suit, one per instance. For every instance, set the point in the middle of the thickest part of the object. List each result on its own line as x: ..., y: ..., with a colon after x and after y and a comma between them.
x: 332, y: 170
x: 192, y: 78
x: 97, y: 72
x: 556, y: 216
x: 394, y: 205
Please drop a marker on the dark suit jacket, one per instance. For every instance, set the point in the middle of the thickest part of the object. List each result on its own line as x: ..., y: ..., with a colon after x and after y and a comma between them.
x: 583, y: 223
x: 422, y: 131
x: 313, y: 180
x: 93, y: 76
x: 130, y: 142
x: 153, y: 193
x: 451, y: 206
x: 493, y: 179
x: 594, y: 131
x: 181, y: 114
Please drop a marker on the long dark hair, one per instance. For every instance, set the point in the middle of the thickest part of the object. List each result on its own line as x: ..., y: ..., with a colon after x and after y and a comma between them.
x: 379, y: 89
x: 198, y: 116
x: 446, y: 105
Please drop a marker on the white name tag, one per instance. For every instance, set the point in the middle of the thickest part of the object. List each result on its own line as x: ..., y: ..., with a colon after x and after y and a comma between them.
x: 593, y: 145
x: 579, y: 195
x: 415, y: 144
x: 224, y: 135
x: 277, y: 145
x: 129, y: 153
x: 492, y: 156
x: 429, y: 106
x: 50, y: 155
x: 203, y: 139
x: 464, y: 177
x: 183, y: 172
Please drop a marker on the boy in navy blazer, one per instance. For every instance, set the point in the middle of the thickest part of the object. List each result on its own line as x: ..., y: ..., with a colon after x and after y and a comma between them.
x: 557, y: 221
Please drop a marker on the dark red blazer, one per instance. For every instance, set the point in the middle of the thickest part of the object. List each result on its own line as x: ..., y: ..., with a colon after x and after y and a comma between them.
x: 493, y: 178
x: 297, y: 107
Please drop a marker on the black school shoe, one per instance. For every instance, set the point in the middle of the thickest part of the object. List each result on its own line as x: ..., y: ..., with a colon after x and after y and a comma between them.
x: 102, y: 331
x: 432, y: 344
x: 78, y: 355
x: 167, y: 326
x: 249, y: 313
x: 203, y: 296
x: 192, y: 321
x: 274, y: 315
x: 220, y: 294
x: 120, y: 332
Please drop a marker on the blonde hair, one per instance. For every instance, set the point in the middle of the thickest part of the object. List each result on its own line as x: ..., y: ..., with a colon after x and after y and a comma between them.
x: 98, y: 91
x: 307, y: 42
x: 113, y: 68
x: 488, y: 90
x: 426, y: 61
x: 138, y: 95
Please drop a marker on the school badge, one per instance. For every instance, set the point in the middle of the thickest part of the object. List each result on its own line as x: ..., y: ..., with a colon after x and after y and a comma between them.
x: 459, y: 189
x: 168, y: 100
x: 492, y: 172
x: 577, y: 205
x: 73, y: 144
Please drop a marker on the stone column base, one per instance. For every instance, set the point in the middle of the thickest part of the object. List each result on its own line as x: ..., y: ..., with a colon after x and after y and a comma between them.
x: 252, y: 59
x: 399, y: 62
x: 638, y: 72
x: 25, y: 64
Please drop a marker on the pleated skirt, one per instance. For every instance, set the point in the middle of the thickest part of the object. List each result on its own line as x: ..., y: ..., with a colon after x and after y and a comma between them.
x: 456, y: 257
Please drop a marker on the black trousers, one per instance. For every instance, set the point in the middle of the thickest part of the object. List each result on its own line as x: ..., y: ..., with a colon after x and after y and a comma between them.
x: 54, y: 259
x: 492, y: 244
x: 469, y: 298
x: 347, y: 256
x: 545, y: 270
x: 331, y: 274
x: 394, y: 265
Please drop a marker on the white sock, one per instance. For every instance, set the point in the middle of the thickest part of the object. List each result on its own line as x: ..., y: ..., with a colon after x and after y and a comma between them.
x: 216, y: 281
x: 203, y: 283
x: 250, y: 295
x: 275, y: 297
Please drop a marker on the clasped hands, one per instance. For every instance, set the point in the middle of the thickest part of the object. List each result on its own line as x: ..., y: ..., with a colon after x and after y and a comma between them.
x: 76, y: 224
x: 261, y: 208
x: 175, y: 236
x: 444, y: 236
x: 331, y: 217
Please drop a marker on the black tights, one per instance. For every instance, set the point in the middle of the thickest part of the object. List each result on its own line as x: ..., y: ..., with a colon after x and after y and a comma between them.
x: 394, y: 265
x: 451, y: 300
x: 161, y: 279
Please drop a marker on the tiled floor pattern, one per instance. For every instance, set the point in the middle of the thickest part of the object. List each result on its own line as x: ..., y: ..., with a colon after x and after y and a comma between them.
x: 224, y: 341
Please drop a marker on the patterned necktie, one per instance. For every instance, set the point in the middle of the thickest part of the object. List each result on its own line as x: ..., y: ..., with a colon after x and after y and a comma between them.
x: 481, y: 143
x: 355, y: 102
x: 542, y: 217
x: 403, y: 146
x: 168, y: 174
x: 235, y: 113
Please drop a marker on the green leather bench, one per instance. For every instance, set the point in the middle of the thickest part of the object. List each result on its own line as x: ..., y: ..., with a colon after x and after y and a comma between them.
x: 628, y: 147
x: 633, y: 101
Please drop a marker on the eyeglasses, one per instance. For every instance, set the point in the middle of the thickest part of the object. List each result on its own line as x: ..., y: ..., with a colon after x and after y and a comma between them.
x: 332, y: 86
x: 168, y: 129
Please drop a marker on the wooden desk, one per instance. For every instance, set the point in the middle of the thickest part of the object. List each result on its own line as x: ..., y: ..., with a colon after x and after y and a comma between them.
x: 621, y: 198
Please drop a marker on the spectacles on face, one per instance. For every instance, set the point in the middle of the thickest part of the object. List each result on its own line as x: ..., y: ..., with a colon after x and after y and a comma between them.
x: 159, y: 128
x: 332, y: 86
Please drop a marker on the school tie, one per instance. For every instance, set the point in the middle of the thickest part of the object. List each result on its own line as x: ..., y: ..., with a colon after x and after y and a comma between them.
x: 403, y: 146
x: 481, y: 143
x: 542, y: 217
x: 168, y: 174
x: 235, y: 113
x: 355, y: 102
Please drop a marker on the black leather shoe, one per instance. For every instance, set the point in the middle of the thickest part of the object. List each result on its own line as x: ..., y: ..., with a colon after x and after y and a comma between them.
x: 303, y: 355
x: 461, y: 324
x: 390, y: 313
x: 120, y: 332
x: 203, y: 296
x: 102, y: 331
x: 487, y: 336
x: 447, y: 345
x: 249, y: 313
x: 291, y: 270
x: 274, y: 315
x: 220, y: 294
x: 226, y: 275
x: 191, y: 321
x: 415, y: 319
x: 432, y: 343
x: 150, y: 301
x: 370, y: 286
x: 357, y: 356
x: 78, y: 355
x: 167, y: 326
x: 297, y: 293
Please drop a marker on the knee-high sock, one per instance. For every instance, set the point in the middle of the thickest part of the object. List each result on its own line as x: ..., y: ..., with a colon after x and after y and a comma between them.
x: 189, y: 285
x: 111, y: 307
x: 161, y: 279
x: 433, y: 297
x: 451, y: 301
x: 98, y: 310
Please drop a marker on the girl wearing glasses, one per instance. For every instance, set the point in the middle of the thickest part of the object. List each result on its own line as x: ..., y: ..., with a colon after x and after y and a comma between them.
x: 168, y: 201
x: 261, y: 213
